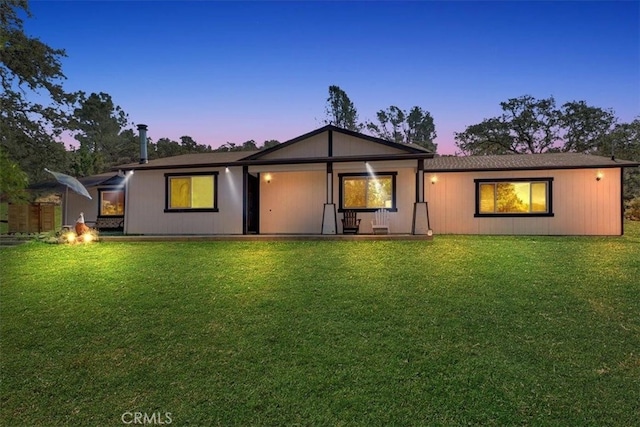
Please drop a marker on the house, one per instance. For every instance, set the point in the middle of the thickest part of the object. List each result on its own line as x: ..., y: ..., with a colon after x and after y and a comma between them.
x: 303, y: 186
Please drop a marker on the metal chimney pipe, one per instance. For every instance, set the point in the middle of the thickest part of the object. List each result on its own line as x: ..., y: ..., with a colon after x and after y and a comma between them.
x: 144, y: 158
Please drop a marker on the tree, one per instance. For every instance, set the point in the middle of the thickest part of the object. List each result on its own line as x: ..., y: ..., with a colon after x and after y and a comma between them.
x: 414, y: 127
x: 249, y: 145
x: 99, y: 125
x: 188, y: 144
x: 390, y: 124
x: 13, y: 180
x: 341, y: 111
x: 528, y: 125
x: 491, y: 136
x: 586, y: 129
x: 270, y: 143
x: 623, y: 142
x: 28, y: 67
x: 165, y: 147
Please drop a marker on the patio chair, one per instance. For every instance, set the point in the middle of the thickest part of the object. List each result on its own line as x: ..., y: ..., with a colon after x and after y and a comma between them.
x: 350, y: 223
x: 380, y: 223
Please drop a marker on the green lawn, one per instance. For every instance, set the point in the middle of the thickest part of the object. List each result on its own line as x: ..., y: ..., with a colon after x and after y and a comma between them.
x: 461, y: 330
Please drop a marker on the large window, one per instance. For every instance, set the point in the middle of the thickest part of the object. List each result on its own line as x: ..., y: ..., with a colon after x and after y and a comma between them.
x: 365, y: 192
x: 514, y: 197
x: 191, y: 193
x: 111, y: 202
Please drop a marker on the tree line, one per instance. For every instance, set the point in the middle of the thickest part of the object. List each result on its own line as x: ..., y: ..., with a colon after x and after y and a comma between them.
x: 526, y: 126
x: 30, y: 130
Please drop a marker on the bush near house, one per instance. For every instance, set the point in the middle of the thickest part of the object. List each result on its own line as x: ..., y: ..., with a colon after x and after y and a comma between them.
x: 632, y: 211
x: 461, y: 330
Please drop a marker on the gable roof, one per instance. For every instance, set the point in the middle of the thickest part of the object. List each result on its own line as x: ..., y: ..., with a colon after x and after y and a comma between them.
x: 523, y: 162
x: 404, y: 147
x: 243, y: 158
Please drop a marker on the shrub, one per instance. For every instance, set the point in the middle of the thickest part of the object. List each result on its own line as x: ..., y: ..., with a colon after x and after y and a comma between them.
x: 632, y: 210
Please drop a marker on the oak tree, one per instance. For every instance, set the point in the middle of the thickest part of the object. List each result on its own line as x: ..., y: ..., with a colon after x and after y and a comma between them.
x: 34, y: 107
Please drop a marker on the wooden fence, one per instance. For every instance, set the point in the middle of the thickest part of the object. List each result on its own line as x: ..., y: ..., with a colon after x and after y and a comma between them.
x: 31, y: 217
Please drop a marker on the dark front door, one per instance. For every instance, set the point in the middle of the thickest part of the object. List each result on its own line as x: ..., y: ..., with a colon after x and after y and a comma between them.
x: 253, y: 204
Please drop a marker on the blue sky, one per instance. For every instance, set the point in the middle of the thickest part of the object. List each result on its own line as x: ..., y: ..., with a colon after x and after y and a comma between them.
x: 234, y: 71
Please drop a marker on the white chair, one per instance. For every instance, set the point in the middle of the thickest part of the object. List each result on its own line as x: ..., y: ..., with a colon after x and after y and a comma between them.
x: 380, y: 223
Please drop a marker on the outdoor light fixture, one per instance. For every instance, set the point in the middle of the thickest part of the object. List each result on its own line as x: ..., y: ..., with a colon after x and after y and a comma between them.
x: 267, y: 178
x: 599, y: 175
x: 226, y: 169
x: 434, y: 179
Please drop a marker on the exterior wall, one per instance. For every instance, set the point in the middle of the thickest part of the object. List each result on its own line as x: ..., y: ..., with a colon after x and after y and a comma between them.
x: 400, y: 222
x: 74, y: 203
x: 315, y: 146
x: 343, y: 145
x: 145, y: 204
x: 347, y: 145
x: 581, y: 204
x: 292, y: 202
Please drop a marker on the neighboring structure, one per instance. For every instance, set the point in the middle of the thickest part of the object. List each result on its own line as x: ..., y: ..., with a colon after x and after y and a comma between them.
x: 303, y: 186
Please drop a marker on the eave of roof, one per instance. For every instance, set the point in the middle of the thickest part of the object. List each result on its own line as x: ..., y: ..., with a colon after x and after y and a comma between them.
x: 542, y: 161
x: 432, y: 164
x: 293, y: 161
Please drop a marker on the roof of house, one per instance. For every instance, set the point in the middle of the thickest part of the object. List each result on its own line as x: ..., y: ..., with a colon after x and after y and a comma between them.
x: 241, y: 158
x: 523, y: 162
x: 405, y: 152
x: 409, y: 148
x: 191, y: 160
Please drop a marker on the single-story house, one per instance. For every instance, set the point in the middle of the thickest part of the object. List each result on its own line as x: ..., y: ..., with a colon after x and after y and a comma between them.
x: 305, y: 185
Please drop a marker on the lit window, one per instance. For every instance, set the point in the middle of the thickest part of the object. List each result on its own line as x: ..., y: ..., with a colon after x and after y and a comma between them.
x: 191, y: 192
x: 364, y: 192
x: 112, y: 203
x: 514, y: 197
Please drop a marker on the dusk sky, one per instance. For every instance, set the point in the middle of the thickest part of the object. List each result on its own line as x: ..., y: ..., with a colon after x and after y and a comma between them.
x: 235, y: 71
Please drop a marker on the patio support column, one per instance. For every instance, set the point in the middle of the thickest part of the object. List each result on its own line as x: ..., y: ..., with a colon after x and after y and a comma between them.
x: 125, y: 221
x: 329, y: 218
x: 245, y: 201
x: 420, y: 181
x: 420, y: 209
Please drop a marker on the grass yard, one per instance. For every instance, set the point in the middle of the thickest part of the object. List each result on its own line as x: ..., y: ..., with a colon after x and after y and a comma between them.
x: 462, y: 330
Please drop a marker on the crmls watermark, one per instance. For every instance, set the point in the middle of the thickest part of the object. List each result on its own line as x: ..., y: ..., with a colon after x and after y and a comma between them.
x: 143, y: 418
